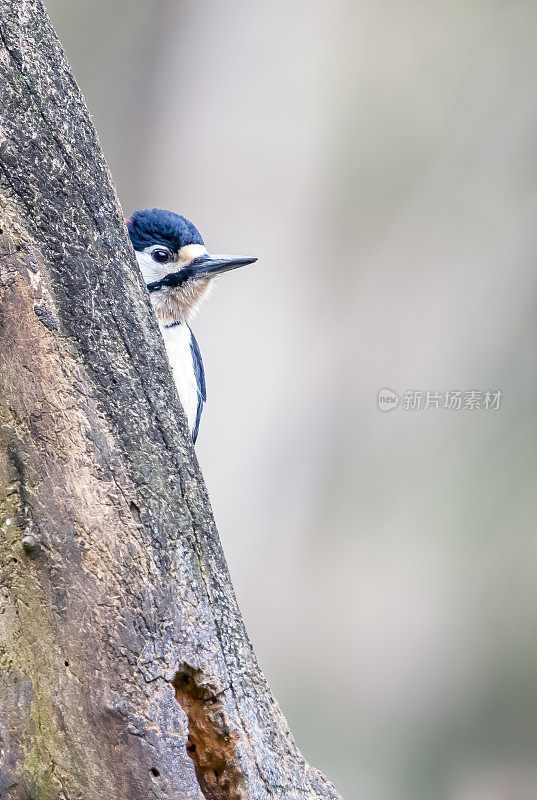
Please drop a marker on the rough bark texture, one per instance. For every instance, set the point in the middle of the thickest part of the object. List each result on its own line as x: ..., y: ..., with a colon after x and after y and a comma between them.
x: 125, y: 670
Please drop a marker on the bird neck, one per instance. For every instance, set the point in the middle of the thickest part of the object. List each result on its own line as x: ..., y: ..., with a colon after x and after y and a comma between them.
x: 180, y: 304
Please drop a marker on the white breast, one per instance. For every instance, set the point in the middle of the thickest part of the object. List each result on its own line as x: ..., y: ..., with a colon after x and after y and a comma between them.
x: 177, y: 341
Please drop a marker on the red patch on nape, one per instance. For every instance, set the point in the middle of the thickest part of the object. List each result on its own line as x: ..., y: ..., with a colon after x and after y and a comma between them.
x: 128, y: 221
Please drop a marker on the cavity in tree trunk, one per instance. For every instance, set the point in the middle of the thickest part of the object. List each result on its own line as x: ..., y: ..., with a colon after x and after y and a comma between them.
x: 125, y: 670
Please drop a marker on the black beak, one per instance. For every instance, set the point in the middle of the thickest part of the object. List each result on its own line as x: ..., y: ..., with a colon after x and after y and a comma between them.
x: 213, y: 265
x: 203, y: 266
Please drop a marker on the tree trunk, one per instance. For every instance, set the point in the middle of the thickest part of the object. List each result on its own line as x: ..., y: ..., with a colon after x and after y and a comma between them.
x: 125, y: 670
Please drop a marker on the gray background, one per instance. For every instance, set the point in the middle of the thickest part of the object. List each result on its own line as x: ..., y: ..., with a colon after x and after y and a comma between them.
x: 379, y: 158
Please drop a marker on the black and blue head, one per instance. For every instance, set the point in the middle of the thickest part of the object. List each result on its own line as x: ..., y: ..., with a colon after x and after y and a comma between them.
x: 156, y: 226
x: 174, y: 261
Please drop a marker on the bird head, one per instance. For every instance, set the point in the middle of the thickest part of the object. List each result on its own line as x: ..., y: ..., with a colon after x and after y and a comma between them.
x: 175, y: 264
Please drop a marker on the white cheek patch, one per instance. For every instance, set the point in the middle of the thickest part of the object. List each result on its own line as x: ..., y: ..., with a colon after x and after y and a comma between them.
x: 150, y: 269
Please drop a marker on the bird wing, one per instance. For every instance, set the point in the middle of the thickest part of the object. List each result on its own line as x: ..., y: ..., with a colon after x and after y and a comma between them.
x: 200, y: 381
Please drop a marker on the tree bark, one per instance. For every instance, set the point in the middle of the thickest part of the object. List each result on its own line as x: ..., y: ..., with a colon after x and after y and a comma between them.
x: 125, y: 669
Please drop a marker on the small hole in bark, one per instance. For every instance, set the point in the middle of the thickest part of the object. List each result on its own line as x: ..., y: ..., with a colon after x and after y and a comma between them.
x: 135, y: 511
x: 155, y: 772
x: 16, y: 560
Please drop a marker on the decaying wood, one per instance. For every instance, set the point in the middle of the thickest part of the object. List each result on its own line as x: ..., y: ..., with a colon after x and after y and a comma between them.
x: 125, y: 670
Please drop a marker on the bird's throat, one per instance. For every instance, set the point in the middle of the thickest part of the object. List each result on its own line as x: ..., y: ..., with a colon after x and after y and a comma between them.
x: 179, y: 304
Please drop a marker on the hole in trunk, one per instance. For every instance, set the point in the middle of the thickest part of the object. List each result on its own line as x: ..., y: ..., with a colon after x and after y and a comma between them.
x: 211, y: 743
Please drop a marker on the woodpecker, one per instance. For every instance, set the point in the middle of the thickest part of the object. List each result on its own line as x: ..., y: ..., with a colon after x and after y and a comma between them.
x: 178, y: 271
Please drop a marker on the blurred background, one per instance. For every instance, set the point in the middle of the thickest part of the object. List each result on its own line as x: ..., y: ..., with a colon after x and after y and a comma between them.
x: 380, y: 159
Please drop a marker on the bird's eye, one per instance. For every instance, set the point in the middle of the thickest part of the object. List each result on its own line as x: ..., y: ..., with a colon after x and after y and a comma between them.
x: 160, y: 255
